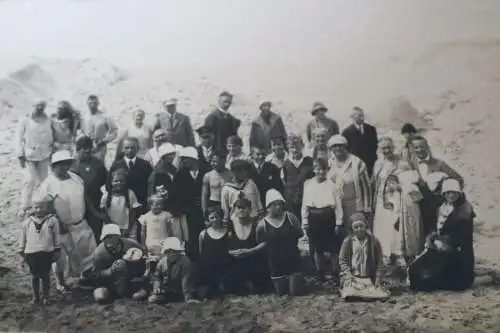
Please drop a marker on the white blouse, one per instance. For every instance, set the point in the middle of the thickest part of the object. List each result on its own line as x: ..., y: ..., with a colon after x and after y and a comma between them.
x: 321, y: 195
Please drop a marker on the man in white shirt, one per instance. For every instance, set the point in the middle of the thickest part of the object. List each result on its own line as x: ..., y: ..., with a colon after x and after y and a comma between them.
x: 35, y: 141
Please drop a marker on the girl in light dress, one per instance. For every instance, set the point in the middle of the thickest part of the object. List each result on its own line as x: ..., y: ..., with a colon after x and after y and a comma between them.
x: 121, y: 205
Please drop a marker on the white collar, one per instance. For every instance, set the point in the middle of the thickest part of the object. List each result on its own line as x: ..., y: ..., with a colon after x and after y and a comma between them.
x: 206, y: 149
x: 297, y: 163
x: 128, y: 160
x: 222, y: 110
x: 257, y: 166
x: 171, y: 115
x: 194, y: 173
x: 425, y: 160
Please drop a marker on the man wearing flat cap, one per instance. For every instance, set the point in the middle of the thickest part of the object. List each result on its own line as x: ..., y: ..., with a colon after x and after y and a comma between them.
x: 206, y: 148
x: 177, y: 124
x: 321, y: 121
x: 223, y: 123
x: 267, y: 125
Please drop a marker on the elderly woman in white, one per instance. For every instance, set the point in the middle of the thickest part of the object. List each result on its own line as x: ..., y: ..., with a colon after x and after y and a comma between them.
x: 77, y: 238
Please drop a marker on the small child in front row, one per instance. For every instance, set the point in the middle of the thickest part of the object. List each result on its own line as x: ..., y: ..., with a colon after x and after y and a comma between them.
x: 121, y: 204
x: 214, y: 253
x: 156, y: 226
x: 40, y: 246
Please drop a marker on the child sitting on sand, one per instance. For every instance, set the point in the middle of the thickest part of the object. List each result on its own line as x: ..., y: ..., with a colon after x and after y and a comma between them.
x: 121, y: 205
x: 361, y: 262
x: 39, y: 245
x: 175, y: 277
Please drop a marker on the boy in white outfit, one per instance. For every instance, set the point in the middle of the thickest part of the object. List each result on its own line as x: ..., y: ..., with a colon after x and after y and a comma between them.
x: 35, y: 141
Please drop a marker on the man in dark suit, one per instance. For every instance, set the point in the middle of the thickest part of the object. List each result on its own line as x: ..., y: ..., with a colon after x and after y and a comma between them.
x: 176, y: 124
x: 206, y: 148
x: 222, y: 123
x: 139, y: 170
x: 264, y: 174
x: 187, y: 188
x: 362, y: 139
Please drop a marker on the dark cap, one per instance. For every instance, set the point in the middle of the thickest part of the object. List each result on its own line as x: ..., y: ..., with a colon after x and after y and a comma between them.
x: 204, y: 129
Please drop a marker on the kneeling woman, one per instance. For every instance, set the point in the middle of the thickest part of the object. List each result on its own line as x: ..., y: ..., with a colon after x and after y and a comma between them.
x: 448, y: 261
x: 360, y: 259
x: 279, y: 233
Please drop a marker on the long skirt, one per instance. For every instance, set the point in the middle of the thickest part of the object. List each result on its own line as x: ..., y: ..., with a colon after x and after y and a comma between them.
x: 78, y: 246
x: 385, y: 231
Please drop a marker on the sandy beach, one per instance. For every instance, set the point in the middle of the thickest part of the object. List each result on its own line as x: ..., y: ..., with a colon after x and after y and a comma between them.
x: 433, y: 63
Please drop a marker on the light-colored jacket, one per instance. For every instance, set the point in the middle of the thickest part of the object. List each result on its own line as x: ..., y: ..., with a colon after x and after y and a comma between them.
x: 35, y: 138
x: 99, y: 127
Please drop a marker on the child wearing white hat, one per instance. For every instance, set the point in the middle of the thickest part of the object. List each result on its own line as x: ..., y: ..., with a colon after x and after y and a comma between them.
x: 175, y: 277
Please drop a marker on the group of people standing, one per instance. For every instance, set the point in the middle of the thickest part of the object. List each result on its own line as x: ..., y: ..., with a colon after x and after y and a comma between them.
x: 170, y: 219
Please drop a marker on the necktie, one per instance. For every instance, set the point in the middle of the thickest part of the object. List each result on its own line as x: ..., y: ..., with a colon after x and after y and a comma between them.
x: 130, y: 164
x: 171, y: 121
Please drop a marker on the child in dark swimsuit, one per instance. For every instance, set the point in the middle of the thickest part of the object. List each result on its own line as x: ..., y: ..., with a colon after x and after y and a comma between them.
x: 214, y: 256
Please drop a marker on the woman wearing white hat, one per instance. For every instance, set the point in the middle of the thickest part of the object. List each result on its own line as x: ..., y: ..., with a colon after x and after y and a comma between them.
x: 350, y: 175
x: 448, y: 261
x: 70, y: 206
x: 279, y: 233
x: 162, y: 177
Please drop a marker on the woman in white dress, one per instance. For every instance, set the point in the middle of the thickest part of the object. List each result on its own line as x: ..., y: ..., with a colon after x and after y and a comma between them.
x: 77, y: 238
x: 142, y: 132
x: 389, y: 164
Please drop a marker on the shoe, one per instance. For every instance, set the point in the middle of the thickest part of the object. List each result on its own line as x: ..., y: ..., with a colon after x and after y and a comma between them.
x: 155, y: 298
x: 140, y: 295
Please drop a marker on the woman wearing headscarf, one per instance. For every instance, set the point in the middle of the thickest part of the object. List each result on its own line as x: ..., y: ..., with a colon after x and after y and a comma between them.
x: 386, y: 212
x: 350, y: 176
x: 448, y: 261
x: 142, y: 132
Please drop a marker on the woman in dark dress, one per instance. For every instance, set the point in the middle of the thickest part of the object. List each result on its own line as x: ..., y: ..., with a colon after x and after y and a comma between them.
x: 279, y: 233
x: 94, y: 175
x: 447, y: 263
x: 249, y: 271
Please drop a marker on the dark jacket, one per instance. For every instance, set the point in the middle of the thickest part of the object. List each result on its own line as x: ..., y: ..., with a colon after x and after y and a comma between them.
x: 453, y: 269
x: 161, y: 177
x: 138, y: 177
x: 204, y: 163
x: 363, y: 145
x: 265, y: 179
x: 223, y: 126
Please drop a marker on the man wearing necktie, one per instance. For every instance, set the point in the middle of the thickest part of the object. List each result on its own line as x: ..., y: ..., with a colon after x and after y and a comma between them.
x: 177, y: 124
x: 362, y: 139
x: 139, y: 170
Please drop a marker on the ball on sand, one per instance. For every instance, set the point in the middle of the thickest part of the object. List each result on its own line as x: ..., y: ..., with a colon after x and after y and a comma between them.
x: 101, y: 295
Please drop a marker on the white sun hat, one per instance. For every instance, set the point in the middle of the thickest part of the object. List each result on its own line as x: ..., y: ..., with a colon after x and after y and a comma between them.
x: 61, y: 156
x: 451, y: 185
x: 273, y: 195
x: 110, y: 230
x: 189, y: 152
x: 166, y: 148
x: 337, y: 140
x: 172, y: 243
